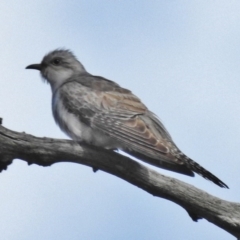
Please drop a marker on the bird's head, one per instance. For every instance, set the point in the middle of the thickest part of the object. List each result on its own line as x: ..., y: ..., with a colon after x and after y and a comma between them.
x: 58, y: 66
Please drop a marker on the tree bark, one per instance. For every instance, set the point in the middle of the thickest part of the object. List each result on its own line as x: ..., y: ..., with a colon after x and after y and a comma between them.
x: 46, y: 151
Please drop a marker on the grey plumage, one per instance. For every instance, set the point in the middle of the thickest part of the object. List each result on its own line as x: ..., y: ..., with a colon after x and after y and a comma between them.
x: 99, y: 112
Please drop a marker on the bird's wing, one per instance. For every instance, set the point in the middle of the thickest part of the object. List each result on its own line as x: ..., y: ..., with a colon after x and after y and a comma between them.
x: 118, y: 113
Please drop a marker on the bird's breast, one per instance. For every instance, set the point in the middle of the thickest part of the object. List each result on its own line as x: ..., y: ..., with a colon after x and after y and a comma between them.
x: 77, y: 130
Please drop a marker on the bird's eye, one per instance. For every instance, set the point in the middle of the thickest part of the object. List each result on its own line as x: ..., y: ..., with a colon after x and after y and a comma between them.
x: 56, y: 61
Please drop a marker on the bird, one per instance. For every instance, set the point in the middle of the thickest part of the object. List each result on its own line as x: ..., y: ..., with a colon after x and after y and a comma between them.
x: 99, y: 112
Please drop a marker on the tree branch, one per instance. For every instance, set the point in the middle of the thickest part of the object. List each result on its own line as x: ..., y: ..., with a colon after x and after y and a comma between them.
x: 46, y: 151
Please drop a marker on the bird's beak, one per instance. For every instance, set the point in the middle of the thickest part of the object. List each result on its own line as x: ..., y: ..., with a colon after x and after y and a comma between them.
x: 35, y: 66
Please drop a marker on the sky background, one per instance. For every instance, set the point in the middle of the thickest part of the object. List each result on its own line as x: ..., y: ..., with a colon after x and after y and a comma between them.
x: 180, y: 57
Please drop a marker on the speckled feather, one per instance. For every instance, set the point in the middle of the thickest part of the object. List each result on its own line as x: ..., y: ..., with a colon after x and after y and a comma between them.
x: 116, y: 112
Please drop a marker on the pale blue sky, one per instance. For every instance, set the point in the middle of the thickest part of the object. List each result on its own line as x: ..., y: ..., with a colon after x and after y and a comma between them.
x: 180, y: 57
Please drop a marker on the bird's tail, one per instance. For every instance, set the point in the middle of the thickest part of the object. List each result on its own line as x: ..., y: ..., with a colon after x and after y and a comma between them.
x: 195, y: 167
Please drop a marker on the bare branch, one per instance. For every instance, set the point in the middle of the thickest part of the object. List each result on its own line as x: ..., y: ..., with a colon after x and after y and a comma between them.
x: 46, y: 151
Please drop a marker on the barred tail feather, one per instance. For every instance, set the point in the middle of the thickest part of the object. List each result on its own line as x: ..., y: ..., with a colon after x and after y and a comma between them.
x: 195, y: 167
